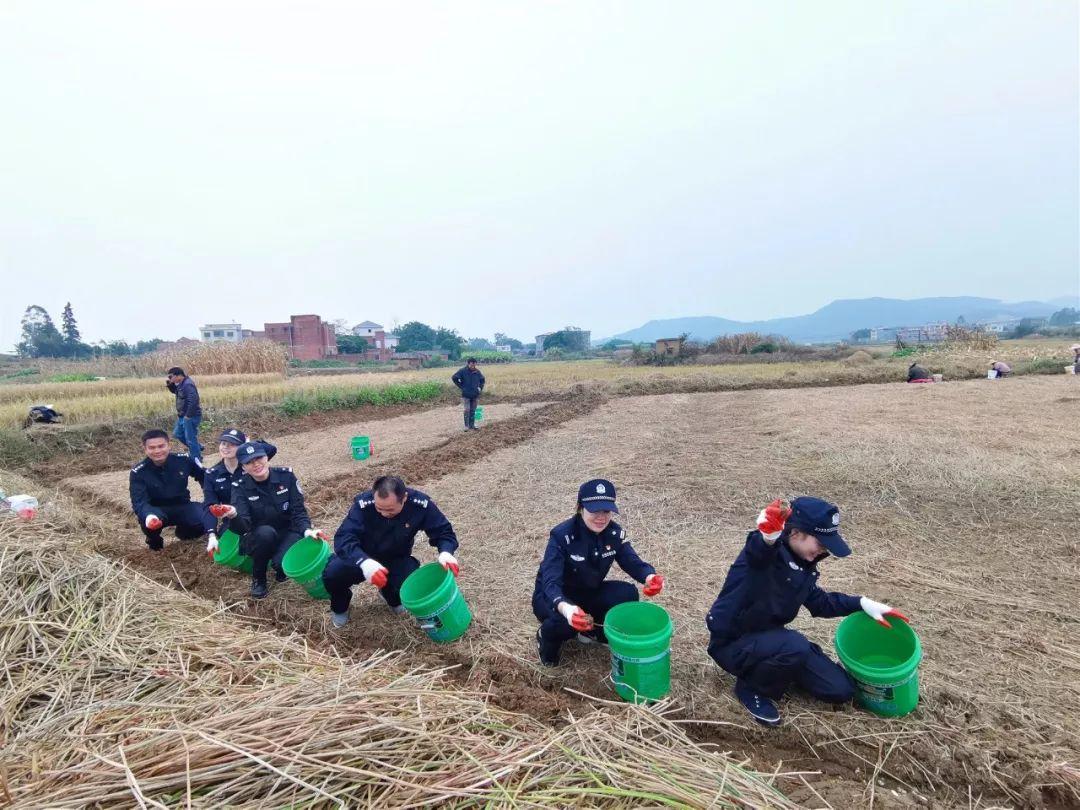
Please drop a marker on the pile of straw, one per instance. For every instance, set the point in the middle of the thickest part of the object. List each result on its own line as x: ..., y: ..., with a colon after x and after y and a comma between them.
x: 119, y: 692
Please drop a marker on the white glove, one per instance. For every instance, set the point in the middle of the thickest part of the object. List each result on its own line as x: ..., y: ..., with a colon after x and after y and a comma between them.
x: 576, y: 617
x: 879, y: 610
x: 231, y: 513
x: 449, y: 561
x: 567, y: 610
x: 152, y: 522
x: 374, y: 572
x: 211, y: 544
x: 315, y: 533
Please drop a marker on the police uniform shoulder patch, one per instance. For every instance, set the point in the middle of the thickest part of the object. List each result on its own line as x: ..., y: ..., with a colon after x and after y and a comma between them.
x: 138, y: 466
x: 180, y: 455
x: 420, y: 501
x: 362, y: 503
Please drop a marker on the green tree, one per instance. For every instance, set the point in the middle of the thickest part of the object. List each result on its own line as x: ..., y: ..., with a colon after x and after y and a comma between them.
x: 351, y: 344
x: 40, y: 337
x: 71, y: 328
x: 505, y: 340
x: 449, y: 341
x: 415, y: 336
x: 146, y: 346
x: 1065, y: 317
x: 481, y: 344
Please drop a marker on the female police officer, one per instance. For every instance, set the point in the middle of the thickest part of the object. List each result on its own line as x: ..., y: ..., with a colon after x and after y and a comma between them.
x: 220, y: 480
x: 774, y: 575
x: 270, y: 514
x: 570, y: 592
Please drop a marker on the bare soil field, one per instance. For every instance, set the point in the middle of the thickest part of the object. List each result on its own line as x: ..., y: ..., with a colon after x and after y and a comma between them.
x: 319, y: 455
x: 957, y: 502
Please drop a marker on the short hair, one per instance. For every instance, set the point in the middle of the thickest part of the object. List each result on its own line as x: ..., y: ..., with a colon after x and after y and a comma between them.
x: 176, y: 371
x: 471, y: 360
x: 156, y: 433
x: 388, y: 485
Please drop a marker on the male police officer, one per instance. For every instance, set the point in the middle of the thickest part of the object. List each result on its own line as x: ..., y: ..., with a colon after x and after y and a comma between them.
x: 571, y: 591
x: 222, y: 478
x: 375, y: 543
x: 471, y: 382
x: 774, y: 575
x: 159, y: 492
x: 267, y: 512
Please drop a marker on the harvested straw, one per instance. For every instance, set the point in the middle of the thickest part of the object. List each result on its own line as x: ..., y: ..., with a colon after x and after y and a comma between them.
x: 119, y: 692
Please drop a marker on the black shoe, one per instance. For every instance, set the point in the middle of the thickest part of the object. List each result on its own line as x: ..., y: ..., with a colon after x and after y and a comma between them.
x: 259, y: 589
x: 760, y: 707
x: 280, y: 576
x: 549, y: 653
x: 155, y: 543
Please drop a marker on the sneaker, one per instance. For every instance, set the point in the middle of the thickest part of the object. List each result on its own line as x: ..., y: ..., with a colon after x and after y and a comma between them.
x: 474, y: 427
x: 339, y: 619
x: 259, y: 589
x: 760, y: 707
x: 549, y: 654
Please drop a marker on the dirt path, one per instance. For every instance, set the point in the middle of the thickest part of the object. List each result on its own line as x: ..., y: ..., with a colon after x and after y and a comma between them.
x: 324, y: 454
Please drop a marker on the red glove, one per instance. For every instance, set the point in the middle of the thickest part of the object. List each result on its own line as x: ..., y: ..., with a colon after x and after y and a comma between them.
x: 654, y: 583
x: 317, y: 534
x: 879, y: 610
x: 220, y: 510
x: 772, y: 519
x: 581, y: 621
x: 374, y: 572
x: 153, y: 522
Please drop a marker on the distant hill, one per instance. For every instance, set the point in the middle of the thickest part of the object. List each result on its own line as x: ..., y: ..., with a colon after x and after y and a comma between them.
x: 836, y: 321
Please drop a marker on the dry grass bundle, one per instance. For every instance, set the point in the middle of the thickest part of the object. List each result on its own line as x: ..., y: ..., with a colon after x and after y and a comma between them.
x: 118, y: 692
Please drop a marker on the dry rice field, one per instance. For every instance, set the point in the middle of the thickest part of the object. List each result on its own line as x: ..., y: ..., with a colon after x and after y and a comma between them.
x: 958, y: 501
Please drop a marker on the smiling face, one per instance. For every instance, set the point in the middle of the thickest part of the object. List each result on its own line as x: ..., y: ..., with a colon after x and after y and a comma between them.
x: 258, y: 468
x: 227, y: 450
x: 596, y: 521
x: 805, y: 546
x: 157, y: 450
x: 389, y: 506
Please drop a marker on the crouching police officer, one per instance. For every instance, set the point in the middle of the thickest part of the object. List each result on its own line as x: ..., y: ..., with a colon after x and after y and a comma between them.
x: 774, y: 575
x: 375, y: 543
x: 570, y: 592
x: 222, y: 478
x: 159, y: 492
x: 270, y: 514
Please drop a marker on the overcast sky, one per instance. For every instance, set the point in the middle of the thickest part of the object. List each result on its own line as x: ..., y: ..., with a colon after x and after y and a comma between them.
x: 522, y: 166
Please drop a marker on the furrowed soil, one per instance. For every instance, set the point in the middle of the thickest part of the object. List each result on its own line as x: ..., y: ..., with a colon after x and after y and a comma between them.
x: 956, y: 501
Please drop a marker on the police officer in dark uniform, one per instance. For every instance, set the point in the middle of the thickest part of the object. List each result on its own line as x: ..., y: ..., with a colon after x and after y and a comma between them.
x: 270, y: 513
x: 159, y: 492
x: 774, y: 575
x: 571, y: 592
x: 375, y: 543
x: 222, y: 478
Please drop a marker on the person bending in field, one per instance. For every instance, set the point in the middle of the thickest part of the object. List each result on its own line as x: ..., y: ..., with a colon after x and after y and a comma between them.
x: 222, y: 478
x: 918, y: 374
x: 774, y: 575
x: 375, y: 544
x: 158, y: 486
x: 571, y: 597
x: 270, y: 514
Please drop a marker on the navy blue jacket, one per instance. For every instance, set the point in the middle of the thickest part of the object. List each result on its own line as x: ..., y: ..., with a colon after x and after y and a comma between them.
x: 167, y: 485
x: 764, y: 589
x: 187, y: 399
x: 365, y: 533
x: 577, y: 560
x: 219, y: 482
x: 276, y: 502
x: 471, y: 382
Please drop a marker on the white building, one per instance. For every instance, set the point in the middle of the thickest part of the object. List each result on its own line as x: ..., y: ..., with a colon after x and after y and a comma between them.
x: 376, y: 335
x: 222, y: 333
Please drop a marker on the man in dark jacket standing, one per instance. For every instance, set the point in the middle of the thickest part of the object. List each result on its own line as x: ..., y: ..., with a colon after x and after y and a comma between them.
x: 774, y: 575
x: 471, y: 382
x: 188, y: 412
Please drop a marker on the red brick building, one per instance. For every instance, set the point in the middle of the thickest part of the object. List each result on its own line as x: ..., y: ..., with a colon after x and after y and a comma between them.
x: 307, y: 337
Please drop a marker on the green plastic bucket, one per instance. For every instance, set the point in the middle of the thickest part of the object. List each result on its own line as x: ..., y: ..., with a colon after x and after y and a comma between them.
x: 639, y: 634
x: 304, y: 564
x: 361, y: 447
x: 478, y: 414
x: 884, y: 661
x: 432, y: 596
x: 228, y: 553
